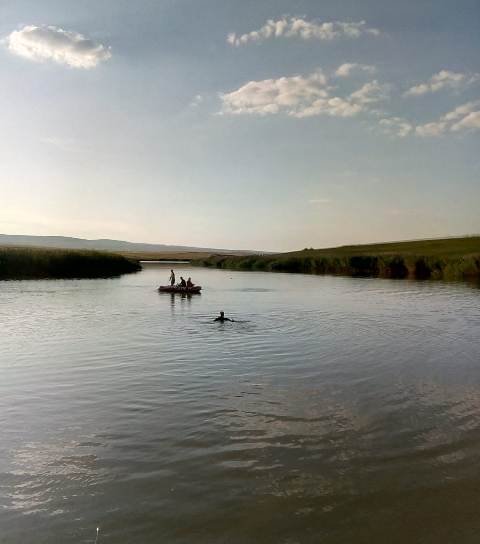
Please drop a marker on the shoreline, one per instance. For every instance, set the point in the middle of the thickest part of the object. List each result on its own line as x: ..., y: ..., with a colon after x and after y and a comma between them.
x: 456, y: 259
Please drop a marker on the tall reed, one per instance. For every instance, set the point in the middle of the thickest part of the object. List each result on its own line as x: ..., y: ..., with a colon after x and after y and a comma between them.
x: 30, y: 263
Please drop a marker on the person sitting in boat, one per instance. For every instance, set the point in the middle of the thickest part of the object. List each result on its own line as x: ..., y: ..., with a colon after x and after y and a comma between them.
x: 190, y: 284
x: 222, y: 318
x: 172, y: 278
x: 182, y: 283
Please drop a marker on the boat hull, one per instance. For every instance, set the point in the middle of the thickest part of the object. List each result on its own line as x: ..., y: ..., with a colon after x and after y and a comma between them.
x: 195, y: 290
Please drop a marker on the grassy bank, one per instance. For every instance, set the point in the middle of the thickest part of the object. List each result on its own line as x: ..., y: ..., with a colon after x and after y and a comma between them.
x: 447, y: 259
x: 31, y: 263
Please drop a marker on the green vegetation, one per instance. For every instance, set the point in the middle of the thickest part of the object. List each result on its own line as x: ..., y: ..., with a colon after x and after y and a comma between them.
x: 447, y: 259
x: 32, y: 263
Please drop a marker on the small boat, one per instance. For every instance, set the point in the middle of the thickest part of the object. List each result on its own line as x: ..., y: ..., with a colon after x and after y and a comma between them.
x: 195, y: 290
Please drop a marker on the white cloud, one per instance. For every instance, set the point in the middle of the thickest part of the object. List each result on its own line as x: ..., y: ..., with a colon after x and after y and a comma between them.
x: 290, y: 27
x: 469, y: 122
x: 289, y: 94
x: 437, y: 128
x: 40, y: 43
x: 345, y: 70
x: 464, y: 117
x: 299, y: 96
x: 335, y: 107
x: 396, y: 126
x: 462, y: 111
x: 370, y: 92
x: 445, y: 79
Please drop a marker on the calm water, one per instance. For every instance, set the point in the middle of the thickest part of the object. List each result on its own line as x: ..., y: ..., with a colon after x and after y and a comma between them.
x: 336, y: 410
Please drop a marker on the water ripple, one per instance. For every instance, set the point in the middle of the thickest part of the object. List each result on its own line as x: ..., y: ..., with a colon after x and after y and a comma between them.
x: 330, y: 406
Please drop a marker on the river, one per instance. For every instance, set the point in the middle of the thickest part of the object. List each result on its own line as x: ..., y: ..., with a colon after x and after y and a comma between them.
x: 334, y: 410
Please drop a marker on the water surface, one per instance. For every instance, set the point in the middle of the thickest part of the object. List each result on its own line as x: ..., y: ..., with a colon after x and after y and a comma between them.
x: 335, y: 410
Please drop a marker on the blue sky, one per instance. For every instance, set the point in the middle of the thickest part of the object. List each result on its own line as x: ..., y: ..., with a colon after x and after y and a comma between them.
x: 316, y: 123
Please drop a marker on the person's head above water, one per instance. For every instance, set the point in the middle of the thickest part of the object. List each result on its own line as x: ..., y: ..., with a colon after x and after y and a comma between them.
x: 222, y: 317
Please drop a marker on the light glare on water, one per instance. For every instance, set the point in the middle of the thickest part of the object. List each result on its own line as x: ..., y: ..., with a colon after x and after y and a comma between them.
x: 334, y: 410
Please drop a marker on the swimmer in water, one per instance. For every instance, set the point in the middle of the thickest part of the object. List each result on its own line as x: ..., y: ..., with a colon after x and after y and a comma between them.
x: 222, y: 318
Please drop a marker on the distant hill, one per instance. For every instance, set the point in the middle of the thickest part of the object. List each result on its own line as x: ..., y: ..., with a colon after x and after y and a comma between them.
x: 65, y: 242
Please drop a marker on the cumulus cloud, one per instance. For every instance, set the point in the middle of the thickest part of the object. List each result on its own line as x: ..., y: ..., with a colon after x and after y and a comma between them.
x: 464, y: 117
x: 462, y: 111
x: 288, y: 94
x: 371, y: 92
x: 396, y: 126
x: 335, y: 107
x: 436, y: 128
x: 41, y: 43
x: 469, y: 122
x: 345, y: 70
x: 299, y: 96
x: 292, y: 27
x: 445, y: 79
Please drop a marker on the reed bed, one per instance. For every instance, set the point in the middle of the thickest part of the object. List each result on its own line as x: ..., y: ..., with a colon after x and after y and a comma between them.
x: 446, y: 259
x: 33, y: 263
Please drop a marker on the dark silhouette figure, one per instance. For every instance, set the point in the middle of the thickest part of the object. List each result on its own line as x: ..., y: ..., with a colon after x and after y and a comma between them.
x: 190, y: 283
x: 172, y: 278
x: 183, y: 283
x: 222, y: 318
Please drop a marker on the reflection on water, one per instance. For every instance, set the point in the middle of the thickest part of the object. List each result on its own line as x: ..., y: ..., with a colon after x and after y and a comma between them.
x: 174, y: 297
x: 334, y: 410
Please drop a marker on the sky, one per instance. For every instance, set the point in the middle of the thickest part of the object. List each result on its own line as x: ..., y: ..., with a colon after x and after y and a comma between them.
x: 272, y: 125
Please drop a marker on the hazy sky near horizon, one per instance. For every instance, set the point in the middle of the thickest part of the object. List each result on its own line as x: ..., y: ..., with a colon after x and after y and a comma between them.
x: 267, y: 124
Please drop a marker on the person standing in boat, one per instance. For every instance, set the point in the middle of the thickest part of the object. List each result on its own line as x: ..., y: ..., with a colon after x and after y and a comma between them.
x: 172, y: 278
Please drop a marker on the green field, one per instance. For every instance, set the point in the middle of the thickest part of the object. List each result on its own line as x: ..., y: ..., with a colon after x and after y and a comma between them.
x: 447, y: 259
x: 34, y: 263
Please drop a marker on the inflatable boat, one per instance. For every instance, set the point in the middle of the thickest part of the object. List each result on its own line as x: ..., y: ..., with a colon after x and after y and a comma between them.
x: 184, y: 290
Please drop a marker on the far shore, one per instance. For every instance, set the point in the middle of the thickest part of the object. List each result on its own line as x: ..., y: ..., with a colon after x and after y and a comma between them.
x: 440, y: 259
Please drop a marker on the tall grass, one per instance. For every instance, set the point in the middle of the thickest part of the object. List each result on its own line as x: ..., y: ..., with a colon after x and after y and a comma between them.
x: 30, y: 263
x: 448, y: 259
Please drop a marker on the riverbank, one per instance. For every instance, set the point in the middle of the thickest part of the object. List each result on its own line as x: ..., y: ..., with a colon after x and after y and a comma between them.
x: 443, y: 259
x: 34, y: 263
